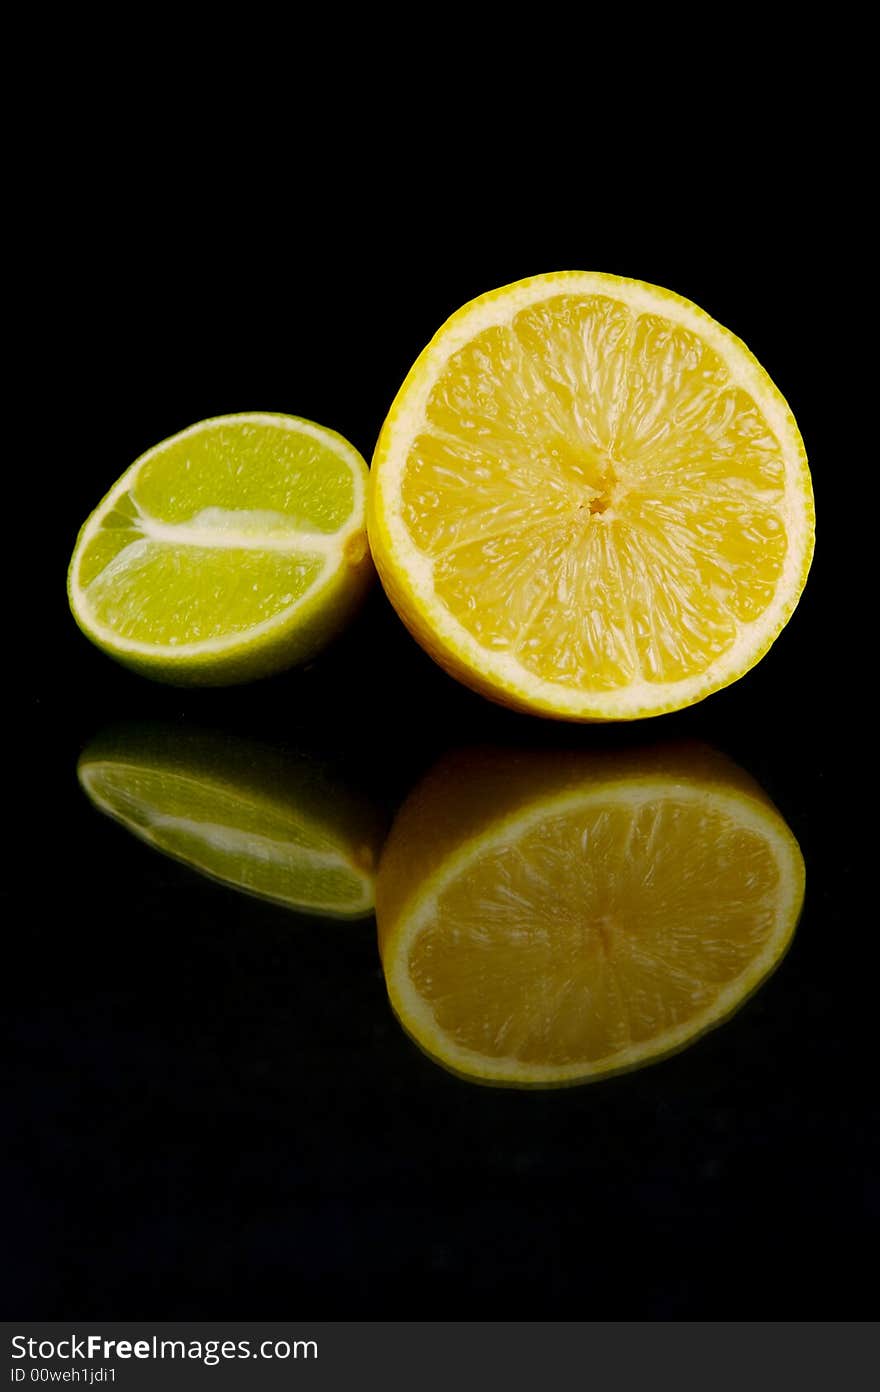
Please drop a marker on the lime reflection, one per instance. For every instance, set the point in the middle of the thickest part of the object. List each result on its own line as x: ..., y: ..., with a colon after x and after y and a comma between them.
x: 552, y: 918
x: 282, y: 826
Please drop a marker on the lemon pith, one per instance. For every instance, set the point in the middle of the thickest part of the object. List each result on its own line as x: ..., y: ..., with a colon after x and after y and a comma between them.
x: 589, y: 500
x: 587, y: 917
x: 230, y: 550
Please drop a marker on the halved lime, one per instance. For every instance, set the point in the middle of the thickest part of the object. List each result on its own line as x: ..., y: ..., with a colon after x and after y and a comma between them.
x: 231, y: 550
x: 281, y: 826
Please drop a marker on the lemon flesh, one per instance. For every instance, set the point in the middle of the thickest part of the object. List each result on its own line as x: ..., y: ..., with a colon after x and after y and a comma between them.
x: 590, y: 501
x: 260, y: 821
x: 233, y: 549
x: 589, y: 917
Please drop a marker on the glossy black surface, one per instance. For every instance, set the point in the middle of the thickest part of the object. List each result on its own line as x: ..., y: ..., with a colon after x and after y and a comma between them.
x: 214, y: 1112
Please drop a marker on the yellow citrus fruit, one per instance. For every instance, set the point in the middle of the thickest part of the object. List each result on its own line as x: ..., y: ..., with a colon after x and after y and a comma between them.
x: 268, y: 822
x: 553, y: 918
x: 590, y: 501
x: 231, y: 550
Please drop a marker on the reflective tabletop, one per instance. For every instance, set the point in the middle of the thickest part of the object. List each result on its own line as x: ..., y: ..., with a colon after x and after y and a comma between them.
x: 351, y: 992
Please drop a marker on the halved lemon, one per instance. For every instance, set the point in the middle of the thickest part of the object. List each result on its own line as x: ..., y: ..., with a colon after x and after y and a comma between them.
x: 554, y: 918
x: 229, y: 551
x: 590, y: 501
x: 267, y: 822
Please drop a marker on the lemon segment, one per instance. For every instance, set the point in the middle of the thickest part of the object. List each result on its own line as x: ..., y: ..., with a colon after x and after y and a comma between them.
x: 587, y: 915
x: 589, y: 500
x: 231, y: 550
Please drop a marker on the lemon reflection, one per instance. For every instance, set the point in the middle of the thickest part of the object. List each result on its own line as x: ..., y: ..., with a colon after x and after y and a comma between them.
x: 267, y: 822
x: 548, y: 918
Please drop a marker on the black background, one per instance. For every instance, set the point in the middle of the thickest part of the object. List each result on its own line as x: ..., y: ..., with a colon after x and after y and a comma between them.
x: 214, y: 1113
